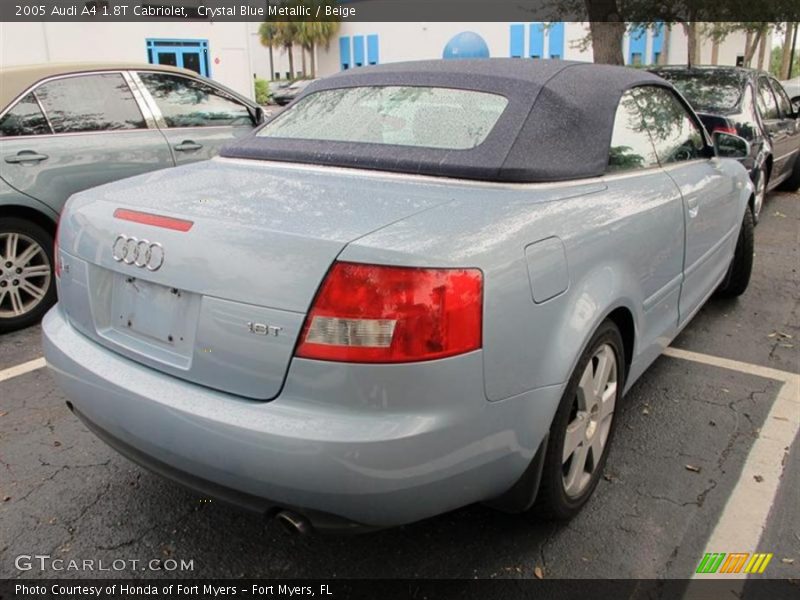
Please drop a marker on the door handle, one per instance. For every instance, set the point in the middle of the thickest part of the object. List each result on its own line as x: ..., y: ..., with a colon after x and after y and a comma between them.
x: 26, y: 156
x: 188, y: 146
x: 692, y: 205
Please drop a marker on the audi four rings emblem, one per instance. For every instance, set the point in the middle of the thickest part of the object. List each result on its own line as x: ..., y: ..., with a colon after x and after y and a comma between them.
x: 139, y: 253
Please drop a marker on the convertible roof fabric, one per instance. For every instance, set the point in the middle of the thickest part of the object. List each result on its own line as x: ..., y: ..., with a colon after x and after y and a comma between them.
x: 557, y: 124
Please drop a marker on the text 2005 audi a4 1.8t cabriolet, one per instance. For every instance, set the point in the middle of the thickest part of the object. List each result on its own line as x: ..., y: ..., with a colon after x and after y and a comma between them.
x: 423, y: 285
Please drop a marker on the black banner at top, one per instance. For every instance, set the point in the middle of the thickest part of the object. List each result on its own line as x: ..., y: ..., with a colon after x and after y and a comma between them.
x: 399, y: 10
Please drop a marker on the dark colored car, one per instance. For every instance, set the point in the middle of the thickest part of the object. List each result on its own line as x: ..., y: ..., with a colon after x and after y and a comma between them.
x: 753, y: 105
x: 285, y: 95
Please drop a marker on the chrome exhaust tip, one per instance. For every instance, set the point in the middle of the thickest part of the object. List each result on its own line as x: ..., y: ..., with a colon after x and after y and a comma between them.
x: 294, y: 523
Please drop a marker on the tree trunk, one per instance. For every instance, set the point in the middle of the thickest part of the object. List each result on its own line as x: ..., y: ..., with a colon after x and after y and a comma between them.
x: 663, y: 59
x: 303, y: 55
x: 692, y: 47
x: 762, y: 49
x: 715, y: 51
x: 787, y: 50
x: 271, y: 64
x: 607, y: 31
x: 313, y: 54
x: 750, y: 44
x: 290, y: 50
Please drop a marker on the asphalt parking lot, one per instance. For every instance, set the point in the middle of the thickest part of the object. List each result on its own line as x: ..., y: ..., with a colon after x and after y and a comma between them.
x: 699, y: 451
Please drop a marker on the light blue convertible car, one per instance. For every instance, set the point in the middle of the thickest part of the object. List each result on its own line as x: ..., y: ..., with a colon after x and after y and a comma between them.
x: 424, y: 285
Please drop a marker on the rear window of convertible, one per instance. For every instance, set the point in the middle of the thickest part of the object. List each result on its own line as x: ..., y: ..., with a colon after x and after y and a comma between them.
x: 428, y: 117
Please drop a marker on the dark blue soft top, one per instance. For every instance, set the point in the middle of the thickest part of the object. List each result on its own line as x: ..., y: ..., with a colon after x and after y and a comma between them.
x: 557, y: 125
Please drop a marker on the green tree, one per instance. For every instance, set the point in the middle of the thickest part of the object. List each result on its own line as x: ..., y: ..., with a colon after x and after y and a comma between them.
x: 776, y: 66
x: 316, y: 33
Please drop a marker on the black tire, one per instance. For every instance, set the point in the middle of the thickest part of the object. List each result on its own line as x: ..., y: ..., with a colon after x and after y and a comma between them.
x: 738, y: 276
x: 38, y: 235
x: 553, y: 501
x: 792, y: 184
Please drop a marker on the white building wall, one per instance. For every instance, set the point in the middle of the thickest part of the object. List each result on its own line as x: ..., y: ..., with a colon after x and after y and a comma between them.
x: 230, y: 52
x: 236, y: 54
x: 419, y: 41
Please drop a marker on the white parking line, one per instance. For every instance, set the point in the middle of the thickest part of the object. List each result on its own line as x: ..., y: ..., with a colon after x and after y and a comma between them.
x: 732, y: 365
x: 27, y: 367
x: 744, y: 518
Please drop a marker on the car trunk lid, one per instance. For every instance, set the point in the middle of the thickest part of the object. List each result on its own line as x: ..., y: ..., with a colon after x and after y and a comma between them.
x: 222, y: 301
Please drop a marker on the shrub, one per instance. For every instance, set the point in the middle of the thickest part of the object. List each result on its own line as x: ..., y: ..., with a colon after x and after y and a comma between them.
x: 262, y: 91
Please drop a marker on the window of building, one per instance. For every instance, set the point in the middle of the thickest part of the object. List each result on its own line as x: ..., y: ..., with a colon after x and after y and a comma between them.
x: 636, y: 58
x: 186, y: 54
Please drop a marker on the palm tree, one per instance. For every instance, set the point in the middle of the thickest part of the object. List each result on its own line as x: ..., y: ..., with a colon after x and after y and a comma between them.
x: 280, y: 34
x: 314, y: 33
x: 287, y: 37
x: 267, y: 33
x: 308, y: 34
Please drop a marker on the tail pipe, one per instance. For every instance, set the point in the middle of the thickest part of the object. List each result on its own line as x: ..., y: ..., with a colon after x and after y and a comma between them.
x: 294, y: 523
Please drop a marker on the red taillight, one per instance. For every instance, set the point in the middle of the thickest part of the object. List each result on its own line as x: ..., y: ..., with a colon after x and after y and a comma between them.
x: 56, y: 257
x: 378, y: 314
x: 154, y: 220
x: 725, y: 129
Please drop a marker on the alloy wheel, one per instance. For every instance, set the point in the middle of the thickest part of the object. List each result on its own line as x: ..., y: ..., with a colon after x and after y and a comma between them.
x: 590, y: 421
x: 24, y: 274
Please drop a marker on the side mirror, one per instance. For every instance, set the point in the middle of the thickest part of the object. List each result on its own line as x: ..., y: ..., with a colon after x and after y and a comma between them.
x: 727, y: 145
x: 259, y: 117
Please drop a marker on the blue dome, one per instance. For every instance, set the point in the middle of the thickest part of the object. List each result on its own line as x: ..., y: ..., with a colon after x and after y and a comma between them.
x: 466, y: 44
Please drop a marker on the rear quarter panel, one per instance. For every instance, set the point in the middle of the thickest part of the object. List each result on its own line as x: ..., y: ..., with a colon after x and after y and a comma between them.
x: 620, y: 250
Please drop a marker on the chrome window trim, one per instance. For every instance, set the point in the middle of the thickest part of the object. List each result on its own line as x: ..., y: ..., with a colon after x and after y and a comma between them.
x: 32, y: 89
x: 148, y: 99
x: 138, y: 97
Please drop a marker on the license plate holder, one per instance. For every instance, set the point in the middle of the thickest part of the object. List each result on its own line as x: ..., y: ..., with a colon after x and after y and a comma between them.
x: 150, y: 310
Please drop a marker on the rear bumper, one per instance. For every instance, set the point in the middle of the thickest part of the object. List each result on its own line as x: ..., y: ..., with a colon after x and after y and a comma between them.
x: 378, y: 445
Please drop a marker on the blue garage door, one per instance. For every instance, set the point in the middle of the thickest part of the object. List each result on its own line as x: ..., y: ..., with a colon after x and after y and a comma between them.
x: 556, y: 40
x: 658, y: 42
x: 358, y: 50
x: 344, y: 52
x: 637, y: 45
x: 537, y: 40
x: 373, y: 53
x: 517, y: 35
